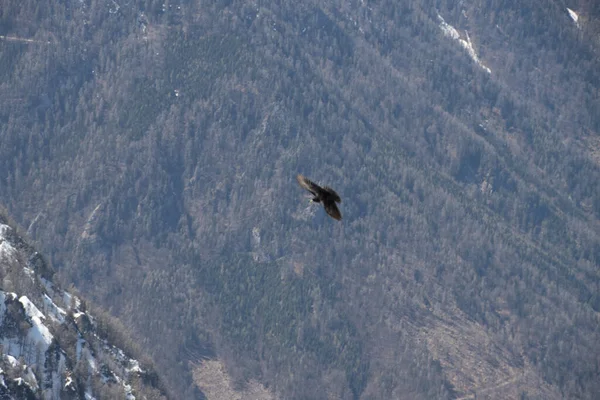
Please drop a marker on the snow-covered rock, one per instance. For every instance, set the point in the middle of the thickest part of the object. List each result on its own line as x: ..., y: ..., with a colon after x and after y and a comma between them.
x: 49, y: 346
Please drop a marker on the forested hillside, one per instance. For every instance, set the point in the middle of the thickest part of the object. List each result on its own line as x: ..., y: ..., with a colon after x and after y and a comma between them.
x: 150, y: 148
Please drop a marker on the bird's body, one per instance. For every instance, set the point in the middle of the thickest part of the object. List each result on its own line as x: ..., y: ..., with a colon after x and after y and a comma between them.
x: 325, y: 195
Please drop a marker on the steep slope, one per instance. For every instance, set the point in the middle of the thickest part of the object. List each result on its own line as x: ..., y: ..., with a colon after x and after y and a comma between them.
x: 151, y: 149
x: 51, y: 348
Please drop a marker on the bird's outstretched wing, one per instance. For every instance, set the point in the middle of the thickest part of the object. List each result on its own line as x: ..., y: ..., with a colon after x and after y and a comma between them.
x: 332, y: 210
x: 332, y: 194
x: 309, y: 185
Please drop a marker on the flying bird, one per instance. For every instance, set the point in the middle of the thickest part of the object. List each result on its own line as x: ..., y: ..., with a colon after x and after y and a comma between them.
x: 325, y: 195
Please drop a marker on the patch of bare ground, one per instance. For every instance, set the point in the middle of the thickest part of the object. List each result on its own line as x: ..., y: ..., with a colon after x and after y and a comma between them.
x: 477, y: 365
x: 214, y: 381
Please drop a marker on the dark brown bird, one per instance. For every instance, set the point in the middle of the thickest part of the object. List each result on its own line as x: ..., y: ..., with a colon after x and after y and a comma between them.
x: 325, y: 195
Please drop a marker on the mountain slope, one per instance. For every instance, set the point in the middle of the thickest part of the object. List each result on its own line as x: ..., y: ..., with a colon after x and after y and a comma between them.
x: 51, y: 347
x: 151, y: 150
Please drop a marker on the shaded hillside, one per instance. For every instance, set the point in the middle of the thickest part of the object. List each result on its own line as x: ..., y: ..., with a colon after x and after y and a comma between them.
x: 150, y: 148
x: 52, y: 347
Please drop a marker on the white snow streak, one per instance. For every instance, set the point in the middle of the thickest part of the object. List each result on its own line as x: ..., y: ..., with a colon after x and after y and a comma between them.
x: 452, y: 33
x: 88, y: 227
x: 448, y: 30
x: 574, y: 16
x: 3, y: 229
x: 19, y: 39
x: 55, y: 312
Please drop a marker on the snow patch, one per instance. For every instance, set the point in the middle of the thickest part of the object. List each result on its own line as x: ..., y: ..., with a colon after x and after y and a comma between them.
x: 3, y: 229
x: 71, y: 302
x: 128, y: 392
x: 11, y: 360
x: 55, y: 312
x: 68, y: 381
x: 31, y: 310
x: 7, y: 251
x: 451, y: 32
x: 135, y: 366
x: 30, y: 379
x: 38, y: 332
x: 574, y: 16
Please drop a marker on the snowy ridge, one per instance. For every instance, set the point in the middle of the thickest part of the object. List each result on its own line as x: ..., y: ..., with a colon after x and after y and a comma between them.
x: 25, y: 341
x: 49, y: 348
x: 451, y: 32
